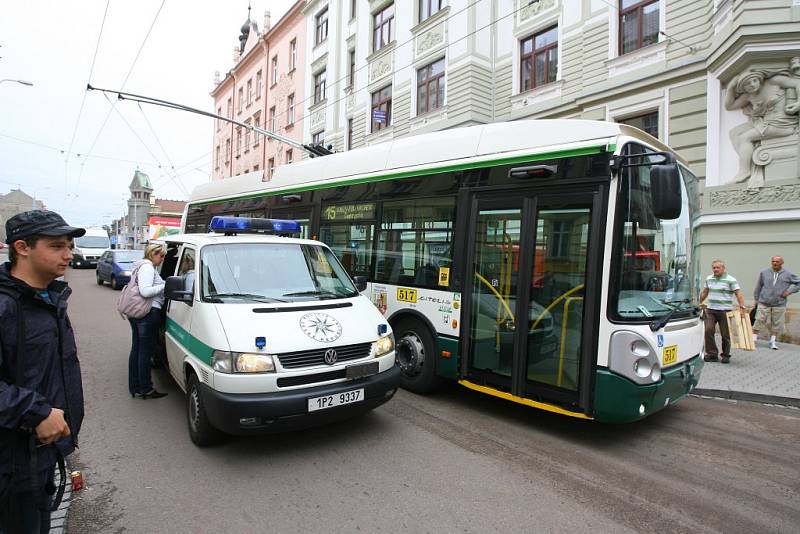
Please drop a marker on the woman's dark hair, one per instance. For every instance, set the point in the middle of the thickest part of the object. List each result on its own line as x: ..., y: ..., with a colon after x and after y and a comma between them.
x: 12, y: 254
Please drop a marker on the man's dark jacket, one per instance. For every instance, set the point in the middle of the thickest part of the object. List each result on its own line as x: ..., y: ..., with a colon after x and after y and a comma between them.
x: 52, y: 373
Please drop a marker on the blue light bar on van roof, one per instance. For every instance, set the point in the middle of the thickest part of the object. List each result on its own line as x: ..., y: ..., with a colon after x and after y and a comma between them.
x: 250, y: 225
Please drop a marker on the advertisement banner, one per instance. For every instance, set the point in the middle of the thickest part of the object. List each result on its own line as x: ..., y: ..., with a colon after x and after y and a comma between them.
x: 163, y: 226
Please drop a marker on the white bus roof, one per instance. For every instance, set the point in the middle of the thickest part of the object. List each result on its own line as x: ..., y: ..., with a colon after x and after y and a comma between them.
x: 441, y: 149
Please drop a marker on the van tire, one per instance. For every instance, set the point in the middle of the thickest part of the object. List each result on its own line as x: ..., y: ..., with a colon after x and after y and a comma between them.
x: 200, y: 430
x: 416, y: 353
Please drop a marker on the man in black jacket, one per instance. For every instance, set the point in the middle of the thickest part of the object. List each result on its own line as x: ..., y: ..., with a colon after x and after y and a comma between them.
x: 41, y: 397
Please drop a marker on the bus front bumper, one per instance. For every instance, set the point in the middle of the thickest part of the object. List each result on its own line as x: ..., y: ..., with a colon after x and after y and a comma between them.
x: 263, y: 413
x: 618, y: 400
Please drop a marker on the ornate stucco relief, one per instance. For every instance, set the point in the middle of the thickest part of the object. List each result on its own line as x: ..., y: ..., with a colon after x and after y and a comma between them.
x: 770, y: 195
x: 767, y: 145
x: 430, y: 39
x: 533, y: 8
x: 318, y: 117
x: 380, y: 67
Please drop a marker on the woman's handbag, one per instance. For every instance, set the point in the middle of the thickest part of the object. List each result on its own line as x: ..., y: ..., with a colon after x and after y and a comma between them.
x: 131, y: 303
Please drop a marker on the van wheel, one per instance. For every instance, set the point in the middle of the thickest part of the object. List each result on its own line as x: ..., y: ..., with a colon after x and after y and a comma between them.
x: 416, y: 354
x: 200, y: 430
x: 114, y: 283
x: 100, y: 280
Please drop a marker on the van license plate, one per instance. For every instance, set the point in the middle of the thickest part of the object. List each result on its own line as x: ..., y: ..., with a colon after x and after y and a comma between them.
x: 359, y: 371
x: 339, y: 399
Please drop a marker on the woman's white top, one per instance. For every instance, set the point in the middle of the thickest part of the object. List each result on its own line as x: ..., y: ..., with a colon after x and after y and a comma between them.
x: 151, y: 285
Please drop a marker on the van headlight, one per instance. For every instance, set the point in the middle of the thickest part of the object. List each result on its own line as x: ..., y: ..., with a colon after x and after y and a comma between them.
x: 383, y: 346
x: 242, y: 362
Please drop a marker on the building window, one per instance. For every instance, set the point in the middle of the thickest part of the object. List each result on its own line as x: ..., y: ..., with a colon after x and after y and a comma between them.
x: 430, y: 87
x: 273, y: 122
x: 647, y: 123
x: 259, y: 85
x: 289, y: 156
x: 539, y: 59
x: 249, y: 92
x: 318, y: 138
x: 293, y: 55
x: 638, y: 24
x: 349, y: 134
x: 381, y: 108
x: 241, y: 99
x: 270, y: 167
x: 255, y: 168
x: 257, y: 123
x: 219, y: 122
x: 351, y: 69
x: 227, y: 151
x: 238, y: 141
x: 383, y: 24
x: 290, y: 108
x: 319, y: 87
x: 353, y: 9
x: 247, y: 138
x: 230, y: 108
x: 216, y: 158
x: 322, y: 27
x: 274, y: 77
x: 428, y: 8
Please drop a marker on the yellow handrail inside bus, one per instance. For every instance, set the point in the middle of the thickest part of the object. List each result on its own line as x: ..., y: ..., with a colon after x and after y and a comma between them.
x: 554, y: 303
x: 565, y: 321
x: 496, y: 294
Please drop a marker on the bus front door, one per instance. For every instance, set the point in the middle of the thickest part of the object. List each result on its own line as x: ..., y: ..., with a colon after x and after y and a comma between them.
x: 528, y: 326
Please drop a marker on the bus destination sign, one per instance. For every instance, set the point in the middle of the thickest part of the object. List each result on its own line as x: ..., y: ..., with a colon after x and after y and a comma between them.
x: 349, y: 212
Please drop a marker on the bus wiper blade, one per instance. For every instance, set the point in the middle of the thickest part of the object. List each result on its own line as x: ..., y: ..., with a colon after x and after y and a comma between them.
x: 659, y: 323
x: 249, y: 296
x: 312, y: 293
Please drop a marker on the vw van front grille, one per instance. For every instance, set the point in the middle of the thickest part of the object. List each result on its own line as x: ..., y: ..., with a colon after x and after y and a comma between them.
x: 308, y: 358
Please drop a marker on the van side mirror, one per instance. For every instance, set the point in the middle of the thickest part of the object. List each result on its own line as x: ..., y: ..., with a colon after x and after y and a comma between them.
x: 361, y: 283
x: 175, y: 290
x: 665, y: 189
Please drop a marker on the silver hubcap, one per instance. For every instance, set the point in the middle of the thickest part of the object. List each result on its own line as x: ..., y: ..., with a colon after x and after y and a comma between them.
x: 194, y: 409
x: 410, y: 353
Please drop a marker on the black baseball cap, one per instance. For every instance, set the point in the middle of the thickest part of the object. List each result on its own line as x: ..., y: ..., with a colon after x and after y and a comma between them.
x: 39, y: 222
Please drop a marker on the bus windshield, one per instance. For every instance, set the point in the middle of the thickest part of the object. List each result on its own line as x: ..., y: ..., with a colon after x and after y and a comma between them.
x: 272, y: 272
x: 653, y: 257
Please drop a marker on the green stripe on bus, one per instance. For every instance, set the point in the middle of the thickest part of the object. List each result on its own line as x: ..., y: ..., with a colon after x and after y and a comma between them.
x: 199, y: 350
x: 584, y: 151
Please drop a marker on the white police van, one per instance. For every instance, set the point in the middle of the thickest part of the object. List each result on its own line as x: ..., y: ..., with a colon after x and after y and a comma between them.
x: 268, y: 333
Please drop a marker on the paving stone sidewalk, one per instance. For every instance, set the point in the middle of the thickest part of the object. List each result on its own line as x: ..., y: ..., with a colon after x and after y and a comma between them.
x: 764, y: 375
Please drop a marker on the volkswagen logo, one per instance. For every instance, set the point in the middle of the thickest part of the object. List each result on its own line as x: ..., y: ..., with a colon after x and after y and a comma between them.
x: 331, y: 356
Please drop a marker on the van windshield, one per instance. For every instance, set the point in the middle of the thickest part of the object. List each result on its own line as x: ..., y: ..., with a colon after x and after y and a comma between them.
x: 92, y: 241
x: 272, y: 272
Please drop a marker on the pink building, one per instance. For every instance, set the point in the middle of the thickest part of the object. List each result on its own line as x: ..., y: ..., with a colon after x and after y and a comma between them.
x: 263, y: 89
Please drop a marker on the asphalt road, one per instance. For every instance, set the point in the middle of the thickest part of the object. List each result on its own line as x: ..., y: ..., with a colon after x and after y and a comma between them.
x: 456, y: 461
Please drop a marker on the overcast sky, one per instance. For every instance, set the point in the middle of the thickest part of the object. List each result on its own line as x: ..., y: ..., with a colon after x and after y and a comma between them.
x: 52, y: 44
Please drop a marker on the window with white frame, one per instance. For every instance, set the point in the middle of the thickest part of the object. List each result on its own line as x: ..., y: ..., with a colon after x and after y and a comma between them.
x: 289, y: 156
x: 249, y: 92
x: 428, y: 8
x: 241, y: 99
x: 227, y: 151
x: 318, y: 138
x: 321, y: 27
x: 216, y: 158
x: 247, y: 137
x: 274, y: 71
x: 257, y: 123
x: 273, y: 120
x: 259, y: 84
x: 638, y: 24
x: 383, y: 27
x: 319, y: 87
x: 290, y: 109
x: 230, y: 108
x: 539, y: 59
x: 349, y: 134
x: 430, y: 87
x: 353, y: 9
x: 351, y: 69
x: 293, y: 55
x: 238, y: 141
x: 381, y: 113
x: 270, y: 167
x: 219, y: 122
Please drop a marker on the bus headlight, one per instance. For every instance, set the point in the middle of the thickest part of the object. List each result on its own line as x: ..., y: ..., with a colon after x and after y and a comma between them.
x: 242, y: 362
x: 383, y: 346
x: 631, y: 356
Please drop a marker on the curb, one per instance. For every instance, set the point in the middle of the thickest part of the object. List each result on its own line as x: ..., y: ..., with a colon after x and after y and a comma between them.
x: 58, y: 519
x: 744, y: 396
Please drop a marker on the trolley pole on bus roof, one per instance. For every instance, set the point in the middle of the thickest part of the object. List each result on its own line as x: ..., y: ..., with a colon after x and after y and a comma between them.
x: 313, y: 150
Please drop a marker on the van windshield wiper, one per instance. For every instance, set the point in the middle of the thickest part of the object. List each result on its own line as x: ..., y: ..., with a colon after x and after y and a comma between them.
x: 248, y: 296
x: 659, y: 323
x: 314, y: 293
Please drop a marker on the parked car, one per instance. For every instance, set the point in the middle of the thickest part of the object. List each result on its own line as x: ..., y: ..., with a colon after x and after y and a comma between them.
x: 114, y: 267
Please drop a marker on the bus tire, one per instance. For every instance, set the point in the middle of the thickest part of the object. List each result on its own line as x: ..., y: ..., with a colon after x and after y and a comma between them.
x: 416, y: 354
x: 200, y: 430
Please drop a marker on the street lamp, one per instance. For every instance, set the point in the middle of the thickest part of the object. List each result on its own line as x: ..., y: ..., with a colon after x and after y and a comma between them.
x: 23, y: 82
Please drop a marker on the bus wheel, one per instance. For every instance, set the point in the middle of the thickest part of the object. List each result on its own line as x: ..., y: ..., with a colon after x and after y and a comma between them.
x: 415, y: 353
x: 200, y: 429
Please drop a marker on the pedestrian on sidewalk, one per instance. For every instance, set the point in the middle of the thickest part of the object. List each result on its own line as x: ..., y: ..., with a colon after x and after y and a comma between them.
x: 41, y: 395
x: 774, y: 284
x: 720, y: 288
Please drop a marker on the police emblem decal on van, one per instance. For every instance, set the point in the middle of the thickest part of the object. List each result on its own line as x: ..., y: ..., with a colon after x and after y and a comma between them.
x: 320, y: 327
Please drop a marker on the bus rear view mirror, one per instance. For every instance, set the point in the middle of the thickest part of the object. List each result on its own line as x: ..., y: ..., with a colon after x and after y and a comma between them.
x: 665, y: 189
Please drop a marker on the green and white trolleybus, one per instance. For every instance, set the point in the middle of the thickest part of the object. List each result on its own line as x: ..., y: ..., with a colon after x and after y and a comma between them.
x: 546, y: 262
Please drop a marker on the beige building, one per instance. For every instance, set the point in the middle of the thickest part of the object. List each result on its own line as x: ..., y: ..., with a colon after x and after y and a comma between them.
x: 718, y: 80
x: 16, y: 201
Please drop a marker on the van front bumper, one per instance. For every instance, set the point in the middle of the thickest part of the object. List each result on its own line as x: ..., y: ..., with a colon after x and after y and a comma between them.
x: 261, y: 413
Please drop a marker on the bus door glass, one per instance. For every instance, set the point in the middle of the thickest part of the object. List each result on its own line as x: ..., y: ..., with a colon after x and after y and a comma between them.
x: 529, y: 259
